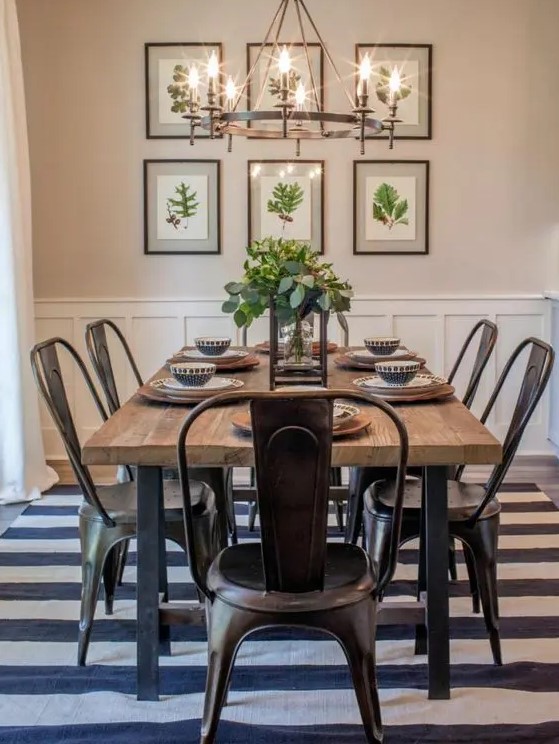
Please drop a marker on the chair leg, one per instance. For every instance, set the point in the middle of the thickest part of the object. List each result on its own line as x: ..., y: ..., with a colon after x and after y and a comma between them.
x: 110, y: 577
x: 482, y: 541
x: 227, y: 625
x: 252, y: 512
x: 340, y: 515
x: 452, y: 570
x: 474, y: 591
x: 94, y: 549
x: 355, y: 627
x: 122, y: 558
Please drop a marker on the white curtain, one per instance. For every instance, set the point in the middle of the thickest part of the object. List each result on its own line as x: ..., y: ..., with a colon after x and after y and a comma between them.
x: 23, y: 471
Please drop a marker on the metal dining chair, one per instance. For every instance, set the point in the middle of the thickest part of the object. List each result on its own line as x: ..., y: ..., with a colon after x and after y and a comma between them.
x: 336, y: 472
x: 362, y: 478
x: 474, y: 511
x: 98, y: 350
x: 293, y: 576
x: 107, y: 515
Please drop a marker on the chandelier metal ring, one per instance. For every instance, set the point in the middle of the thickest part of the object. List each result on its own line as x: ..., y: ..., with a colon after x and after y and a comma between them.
x: 229, y: 125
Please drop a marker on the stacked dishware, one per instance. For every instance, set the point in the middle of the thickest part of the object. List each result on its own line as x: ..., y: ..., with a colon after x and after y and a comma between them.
x: 376, y: 349
x: 194, y: 372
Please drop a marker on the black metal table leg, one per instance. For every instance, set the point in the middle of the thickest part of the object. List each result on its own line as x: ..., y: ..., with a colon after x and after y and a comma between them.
x: 164, y: 630
x: 150, y: 493
x: 436, y: 526
x: 421, y: 630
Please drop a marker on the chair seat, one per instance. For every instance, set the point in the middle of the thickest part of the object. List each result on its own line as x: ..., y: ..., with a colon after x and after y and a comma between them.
x: 237, y: 577
x: 463, y: 499
x: 121, y: 504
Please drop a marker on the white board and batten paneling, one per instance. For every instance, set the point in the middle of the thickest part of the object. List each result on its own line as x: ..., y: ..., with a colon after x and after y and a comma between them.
x: 436, y: 327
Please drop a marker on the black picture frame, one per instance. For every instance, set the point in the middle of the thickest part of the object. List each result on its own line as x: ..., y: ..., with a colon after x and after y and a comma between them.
x: 214, y: 194
x: 428, y: 50
x: 414, y: 166
x: 152, y: 90
x: 296, y: 163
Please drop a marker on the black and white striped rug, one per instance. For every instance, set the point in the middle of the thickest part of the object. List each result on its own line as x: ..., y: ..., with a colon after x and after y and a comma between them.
x: 286, y: 687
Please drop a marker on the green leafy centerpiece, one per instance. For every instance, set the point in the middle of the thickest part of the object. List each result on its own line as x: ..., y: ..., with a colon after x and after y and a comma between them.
x: 292, y: 277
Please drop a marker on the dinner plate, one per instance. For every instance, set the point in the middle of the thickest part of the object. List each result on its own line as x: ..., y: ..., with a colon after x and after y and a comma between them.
x: 230, y: 355
x: 242, y: 422
x: 421, y: 381
x: 364, y: 356
x: 216, y: 384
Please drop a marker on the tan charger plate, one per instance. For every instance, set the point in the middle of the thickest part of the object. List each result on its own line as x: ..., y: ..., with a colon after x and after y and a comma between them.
x: 355, y: 425
x: 439, y: 392
x: 346, y: 362
x: 248, y: 362
x: 154, y: 391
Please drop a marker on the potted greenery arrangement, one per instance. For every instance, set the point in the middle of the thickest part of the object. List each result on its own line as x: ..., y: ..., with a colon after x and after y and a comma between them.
x: 293, y: 277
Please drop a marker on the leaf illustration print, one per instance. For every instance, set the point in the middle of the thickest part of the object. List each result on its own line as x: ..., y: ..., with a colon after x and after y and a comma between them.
x: 185, y: 206
x: 388, y: 208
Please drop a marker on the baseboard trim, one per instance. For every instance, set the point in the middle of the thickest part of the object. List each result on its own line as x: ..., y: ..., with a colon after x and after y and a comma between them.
x: 101, y: 474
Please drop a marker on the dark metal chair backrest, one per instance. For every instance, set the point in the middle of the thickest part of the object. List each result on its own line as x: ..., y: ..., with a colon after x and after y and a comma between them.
x: 536, y: 376
x: 292, y: 448
x: 98, y: 350
x: 487, y: 341
x: 292, y: 439
x: 48, y: 376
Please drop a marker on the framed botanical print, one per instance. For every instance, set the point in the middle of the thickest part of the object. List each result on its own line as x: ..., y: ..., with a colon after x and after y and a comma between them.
x: 264, y: 87
x: 182, y: 207
x: 414, y: 63
x: 167, y: 67
x: 391, y: 207
x: 285, y: 200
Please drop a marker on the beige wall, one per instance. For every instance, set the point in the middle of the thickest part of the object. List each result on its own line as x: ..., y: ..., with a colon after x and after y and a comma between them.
x: 494, y: 156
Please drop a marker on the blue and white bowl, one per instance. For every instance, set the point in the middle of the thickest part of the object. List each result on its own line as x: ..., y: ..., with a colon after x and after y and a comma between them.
x: 212, y: 346
x: 382, y: 345
x: 192, y: 374
x: 397, y: 373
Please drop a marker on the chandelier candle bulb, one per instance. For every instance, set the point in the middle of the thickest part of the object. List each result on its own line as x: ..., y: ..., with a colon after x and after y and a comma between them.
x: 193, y: 83
x: 230, y: 92
x: 213, y: 72
x: 394, y: 85
x: 284, y: 66
x: 364, y: 75
x: 300, y: 95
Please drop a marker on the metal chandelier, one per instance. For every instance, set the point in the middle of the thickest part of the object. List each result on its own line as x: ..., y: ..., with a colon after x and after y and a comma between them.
x: 290, y: 118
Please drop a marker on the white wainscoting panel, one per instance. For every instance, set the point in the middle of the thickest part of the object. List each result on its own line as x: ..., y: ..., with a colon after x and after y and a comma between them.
x: 435, y: 327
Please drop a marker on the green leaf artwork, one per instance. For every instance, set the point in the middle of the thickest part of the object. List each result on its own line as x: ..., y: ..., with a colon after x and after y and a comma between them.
x: 286, y: 199
x: 178, y: 90
x: 274, y: 86
x: 182, y: 208
x: 383, y: 86
x: 388, y: 208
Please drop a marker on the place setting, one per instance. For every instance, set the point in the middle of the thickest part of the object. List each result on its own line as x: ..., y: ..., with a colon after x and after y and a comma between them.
x: 194, y: 372
x: 216, y: 349
x: 401, y: 382
x: 348, y: 419
x: 376, y: 349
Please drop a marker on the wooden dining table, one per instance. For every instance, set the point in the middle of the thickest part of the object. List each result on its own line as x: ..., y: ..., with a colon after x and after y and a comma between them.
x: 144, y: 434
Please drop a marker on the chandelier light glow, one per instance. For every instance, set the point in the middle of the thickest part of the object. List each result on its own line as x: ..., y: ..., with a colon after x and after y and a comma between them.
x: 291, y: 117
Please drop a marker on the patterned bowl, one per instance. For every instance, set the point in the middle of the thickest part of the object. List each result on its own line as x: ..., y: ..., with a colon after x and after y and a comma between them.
x: 382, y: 345
x: 397, y: 373
x: 212, y: 346
x: 192, y: 374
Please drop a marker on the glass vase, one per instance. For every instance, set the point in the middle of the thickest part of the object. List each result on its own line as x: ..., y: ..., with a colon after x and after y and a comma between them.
x: 297, y: 343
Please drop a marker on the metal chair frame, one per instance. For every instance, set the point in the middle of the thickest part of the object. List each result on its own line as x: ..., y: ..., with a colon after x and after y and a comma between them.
x: 294, y: 592
x: 479, y: 531
x: 103, y: 538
